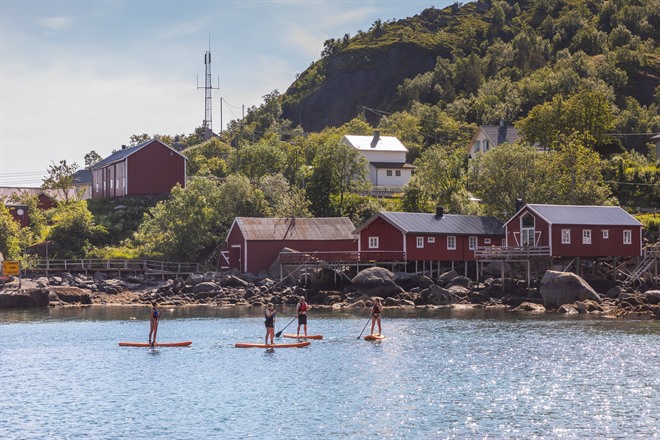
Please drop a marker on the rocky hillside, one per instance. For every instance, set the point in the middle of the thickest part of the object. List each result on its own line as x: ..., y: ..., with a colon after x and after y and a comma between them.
x: 504, y: 40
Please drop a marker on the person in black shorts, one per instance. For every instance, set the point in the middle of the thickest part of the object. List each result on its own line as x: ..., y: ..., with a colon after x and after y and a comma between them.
x: 270, y: 323
x: 376, y: 311
x: 301, y: 311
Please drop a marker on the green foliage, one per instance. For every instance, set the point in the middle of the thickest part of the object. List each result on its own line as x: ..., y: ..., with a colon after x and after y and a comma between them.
x: 651, y: 225
x: 9, y: 240
x: 283, y: 200
x: 356, y: 207
x: 60, y: 178
x: 74, y: 231
x: 208, y: 158
x: 120, y: 217
x: 186, y: 227
x: 92, y: 158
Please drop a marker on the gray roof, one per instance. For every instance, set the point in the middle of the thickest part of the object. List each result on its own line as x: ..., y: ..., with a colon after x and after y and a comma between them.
x: 499, y: 135
x: 424, y: 223
x: 82, y: 177
x: 584, y: 215
x: 295, y: 228
x: 122, y: 154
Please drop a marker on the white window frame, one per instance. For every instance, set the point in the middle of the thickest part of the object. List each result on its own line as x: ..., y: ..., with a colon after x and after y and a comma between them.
x: 420, y: 242
x: 627, y: 236
x: 388, y: 173
x: 430, y: 239
x: 586, y: 236
x: 373, y: 243
x: 451, y: 242
x: 486, y: 145
x: 473, y: 241
x: 397, y: 173
x: 565, y: 236
x: 486, y: 240
x: 477, y: 146
x: 606, y: 234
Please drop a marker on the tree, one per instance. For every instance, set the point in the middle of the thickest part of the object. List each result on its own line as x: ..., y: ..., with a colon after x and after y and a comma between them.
x: 74, y: 232
x: 503, y: 175
x: 92, y: 158
x: 60, y: 178
x: 283, y: 200
x: 441, y: 174
x: 9, y: 228
x: 571, y: 175
x: 186, y: 227
x: 337, y: 169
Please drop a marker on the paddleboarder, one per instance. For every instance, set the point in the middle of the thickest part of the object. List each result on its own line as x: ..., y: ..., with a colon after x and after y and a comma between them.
x: 270, y: 323
x: 376, y: 311
x: 301, y: 312
x: 153, y: 327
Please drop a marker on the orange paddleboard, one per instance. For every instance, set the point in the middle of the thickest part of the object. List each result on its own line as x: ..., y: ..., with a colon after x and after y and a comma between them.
x: 374, y: 337
x: 287, y: 335
x: 157, y: 344
x: 292, y: 345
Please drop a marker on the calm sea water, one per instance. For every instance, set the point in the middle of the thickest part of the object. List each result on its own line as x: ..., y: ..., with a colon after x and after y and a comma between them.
x: 439, y: 374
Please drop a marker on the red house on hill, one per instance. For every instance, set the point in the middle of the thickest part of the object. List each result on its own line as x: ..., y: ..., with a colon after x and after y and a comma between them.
x: 576, y: 231
x: 253, y: 244
x: 150, y: 168
x: 429, y: 237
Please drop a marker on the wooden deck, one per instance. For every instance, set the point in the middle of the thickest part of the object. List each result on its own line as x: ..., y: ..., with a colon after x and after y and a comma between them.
x: 511, y: 253
x: 147, y: 267
x: 341, y: 257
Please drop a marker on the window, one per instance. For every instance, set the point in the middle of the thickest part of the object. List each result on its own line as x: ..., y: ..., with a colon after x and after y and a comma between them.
x: 451, y: 242
x: 565, y: 236
x: 486, y: 240
x: 104, y: 185
x: 527, y: 230
x: 373, y: 242
x: 486, y: 145
x: 472, y: 243
x: 431, y: 239
x: 420, y: 242
x: 477, y: 146
x: 397, y: 173
x: 389, y: 173
x: 111, y: 181
x: 606, y: 234
x: 586, y: 236
x: 627, y: 236
x: 117, y: 184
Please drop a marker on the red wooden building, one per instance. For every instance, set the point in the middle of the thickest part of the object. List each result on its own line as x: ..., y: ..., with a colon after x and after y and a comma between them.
x: 150, y: 168
x: 576, y: 231
x: 430, y: 237
x: 46, y: 199
x: 253, y: 244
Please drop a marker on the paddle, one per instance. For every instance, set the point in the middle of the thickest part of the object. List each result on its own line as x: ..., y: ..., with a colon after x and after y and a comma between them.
x: 278, y: 334
x: 365, y: 327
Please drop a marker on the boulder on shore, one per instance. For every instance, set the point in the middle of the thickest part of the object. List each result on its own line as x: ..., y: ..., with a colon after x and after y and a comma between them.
x: 376, y: 281
x: 559, y: 288
x: 26, y: 299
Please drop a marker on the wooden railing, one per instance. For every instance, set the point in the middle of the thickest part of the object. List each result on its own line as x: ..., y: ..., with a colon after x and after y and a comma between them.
x: 339, y: 257
x: 510, y: 252
x: 93, y: 264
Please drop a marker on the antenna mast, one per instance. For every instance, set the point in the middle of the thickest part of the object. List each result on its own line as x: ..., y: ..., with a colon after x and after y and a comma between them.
x: 207, y: 124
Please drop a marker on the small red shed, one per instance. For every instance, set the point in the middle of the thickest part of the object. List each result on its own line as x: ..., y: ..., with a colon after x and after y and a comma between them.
x: 429, y: 237
x: 576, y: 231
x: 150, y: 168
x: 253, y: 244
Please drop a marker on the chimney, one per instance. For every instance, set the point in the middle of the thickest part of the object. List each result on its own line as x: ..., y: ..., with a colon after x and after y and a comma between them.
x: 519, y: 204
x: 123, y: 147
x: 502, y: 123
x: 376, y: 138
x: 439, y: 212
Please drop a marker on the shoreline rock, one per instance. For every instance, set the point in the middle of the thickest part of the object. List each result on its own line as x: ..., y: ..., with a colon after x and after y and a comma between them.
x: 558, y: 292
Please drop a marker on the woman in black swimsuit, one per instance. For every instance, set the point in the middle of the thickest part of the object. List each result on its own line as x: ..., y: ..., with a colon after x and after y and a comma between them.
x: 270, y: 323
x: 376, y: 311
x: 153, y: 327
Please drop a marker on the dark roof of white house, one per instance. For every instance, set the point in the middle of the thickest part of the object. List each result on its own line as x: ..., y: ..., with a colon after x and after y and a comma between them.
x: 122, y: 154
x: 499, y: 134
x: 82, y: 177
x: 295, y: 228
x: 425, y: 223
x: 582, y: 215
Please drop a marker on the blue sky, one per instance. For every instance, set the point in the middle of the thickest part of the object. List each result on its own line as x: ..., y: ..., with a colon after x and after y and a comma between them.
x: 77, y: 76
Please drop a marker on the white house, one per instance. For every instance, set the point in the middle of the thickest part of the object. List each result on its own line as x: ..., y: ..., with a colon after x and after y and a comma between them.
x: 488, y: 137
x: 386, y: 156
